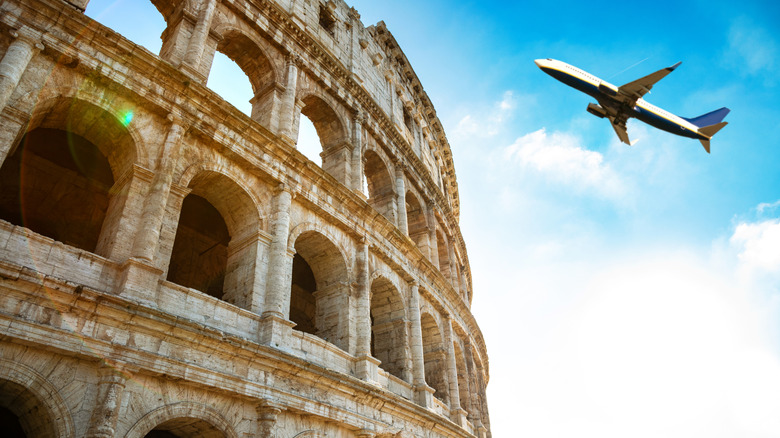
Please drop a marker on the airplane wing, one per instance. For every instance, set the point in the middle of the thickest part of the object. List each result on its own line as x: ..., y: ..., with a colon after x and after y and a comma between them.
x: 619, y: 125
x: 638, y: 88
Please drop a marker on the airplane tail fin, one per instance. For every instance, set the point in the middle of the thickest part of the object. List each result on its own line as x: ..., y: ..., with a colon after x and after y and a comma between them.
x: 709, y: 131
x: 711, y: 118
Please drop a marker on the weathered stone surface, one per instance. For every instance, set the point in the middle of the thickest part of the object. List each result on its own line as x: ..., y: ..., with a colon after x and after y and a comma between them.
x: 169, y: 264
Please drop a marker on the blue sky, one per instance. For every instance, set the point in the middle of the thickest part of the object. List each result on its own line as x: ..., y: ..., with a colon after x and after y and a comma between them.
x: 622, y: 291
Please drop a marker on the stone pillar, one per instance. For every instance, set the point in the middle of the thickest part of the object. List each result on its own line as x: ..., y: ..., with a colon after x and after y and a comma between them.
x: 423, y: 394
x: 453, y: 262
x: 140, y: 273
x: 433, y: 246
x: 364, y: 301
x: 400, y: 190
x: 102, y: 423
x: 288, y: 109
x: 367, y: 367
x: 365, y: 433
x: 457, y: 414
x: 148, y: 236
x: 464, y: 285
x: 356, y: 180
x: 276, y: 327
x: 267, y: 416
x: 27, y: 42
x: 197, y: 42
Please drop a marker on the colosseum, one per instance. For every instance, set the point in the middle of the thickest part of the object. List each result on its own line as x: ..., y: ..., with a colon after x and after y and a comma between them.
x: 173, y: 267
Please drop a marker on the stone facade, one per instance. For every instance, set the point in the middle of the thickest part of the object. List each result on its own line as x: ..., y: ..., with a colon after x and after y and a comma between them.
x: 170, y: 266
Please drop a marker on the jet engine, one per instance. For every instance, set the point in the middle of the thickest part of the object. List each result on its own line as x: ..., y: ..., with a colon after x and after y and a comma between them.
x: 597, y: 110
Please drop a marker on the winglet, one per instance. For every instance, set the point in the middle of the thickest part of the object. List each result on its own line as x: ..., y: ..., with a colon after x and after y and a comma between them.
x: 674, y: 66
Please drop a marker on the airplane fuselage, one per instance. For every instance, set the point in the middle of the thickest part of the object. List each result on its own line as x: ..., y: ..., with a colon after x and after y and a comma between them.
x: 605, y: 94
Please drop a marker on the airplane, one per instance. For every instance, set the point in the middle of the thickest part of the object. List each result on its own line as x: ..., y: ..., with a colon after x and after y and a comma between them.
x: 618, y: 104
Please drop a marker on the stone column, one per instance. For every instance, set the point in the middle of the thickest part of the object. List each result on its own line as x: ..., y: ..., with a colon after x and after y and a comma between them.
x: 141, y: 273
x: 197, y: 42
x: 423, y: 394
x: 276, y: 327
x: 288, y: 109
x: 453, y: 262
x: 364, y: 301
x: 433, y: 246
x: 147, y: 238
x: 102, y: 423
x: 367, y: 367
x: 365, y: 433
x: 27, y: 42
x: 356, y: 180
x: 456, y: 413
x: 464, y: 285
x: 400, y: 189
x: 267, y: 415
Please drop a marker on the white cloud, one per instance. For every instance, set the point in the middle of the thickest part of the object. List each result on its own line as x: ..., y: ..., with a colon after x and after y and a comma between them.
x: 561, y: 158
x: 490, y: 122
x: 753, y: 50
x: 758, y: 244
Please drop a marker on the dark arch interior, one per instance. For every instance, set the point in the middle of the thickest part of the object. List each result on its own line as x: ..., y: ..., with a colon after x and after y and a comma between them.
x: 199, y: 257
x: 303, y: 305
x: 57, y: 184
x: 9, y: 424
x: 22, y: 414
x: 185, y: 428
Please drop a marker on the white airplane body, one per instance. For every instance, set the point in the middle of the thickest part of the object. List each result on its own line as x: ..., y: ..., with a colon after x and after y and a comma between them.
x: 618, y: 104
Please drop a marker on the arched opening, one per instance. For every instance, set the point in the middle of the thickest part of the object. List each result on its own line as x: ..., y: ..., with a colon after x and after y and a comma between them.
x: 435, y: 358
x: 303, y: 305
x: 335, y: 152
x: 415, y: 219
x: 140, y: 22
x: 444, y: 253
x: 22, y: 414
x: 185, y: 428
x: 242, y: 74
x: 381, y: 187
x: 389, y: 335
x: 57, y: 183
x: 464, y: 388
x: 214, y: 250
x: 321, y: 265
x: 309, y: 143
x: 199, y: 257
x: 228, y: 80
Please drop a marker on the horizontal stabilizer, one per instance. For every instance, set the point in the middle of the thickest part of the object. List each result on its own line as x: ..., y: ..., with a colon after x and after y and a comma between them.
x: 711, y: 130
x: 712, y: 118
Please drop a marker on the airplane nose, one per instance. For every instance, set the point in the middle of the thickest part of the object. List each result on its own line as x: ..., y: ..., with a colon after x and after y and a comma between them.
x: 538, y: 62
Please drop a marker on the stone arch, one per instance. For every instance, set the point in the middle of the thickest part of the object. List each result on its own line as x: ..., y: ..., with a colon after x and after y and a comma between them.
x: 180, y: 415
x: 381, y: 185
x: 332, y: 132
x: 435, y: 356
x: 67, y: 176
x: 309, y: 434
x: 442, y: 244
x: 464, y: 388
x: 93, y: 110
x: 389, y: 331
x: 35, y: 401
x: 320, y: 293
x: 251, y: 55
x: 416, y: 221
x: 216, y: 245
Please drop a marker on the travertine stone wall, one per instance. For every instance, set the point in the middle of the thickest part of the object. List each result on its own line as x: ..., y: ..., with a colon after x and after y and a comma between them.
x: 170, y: 264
